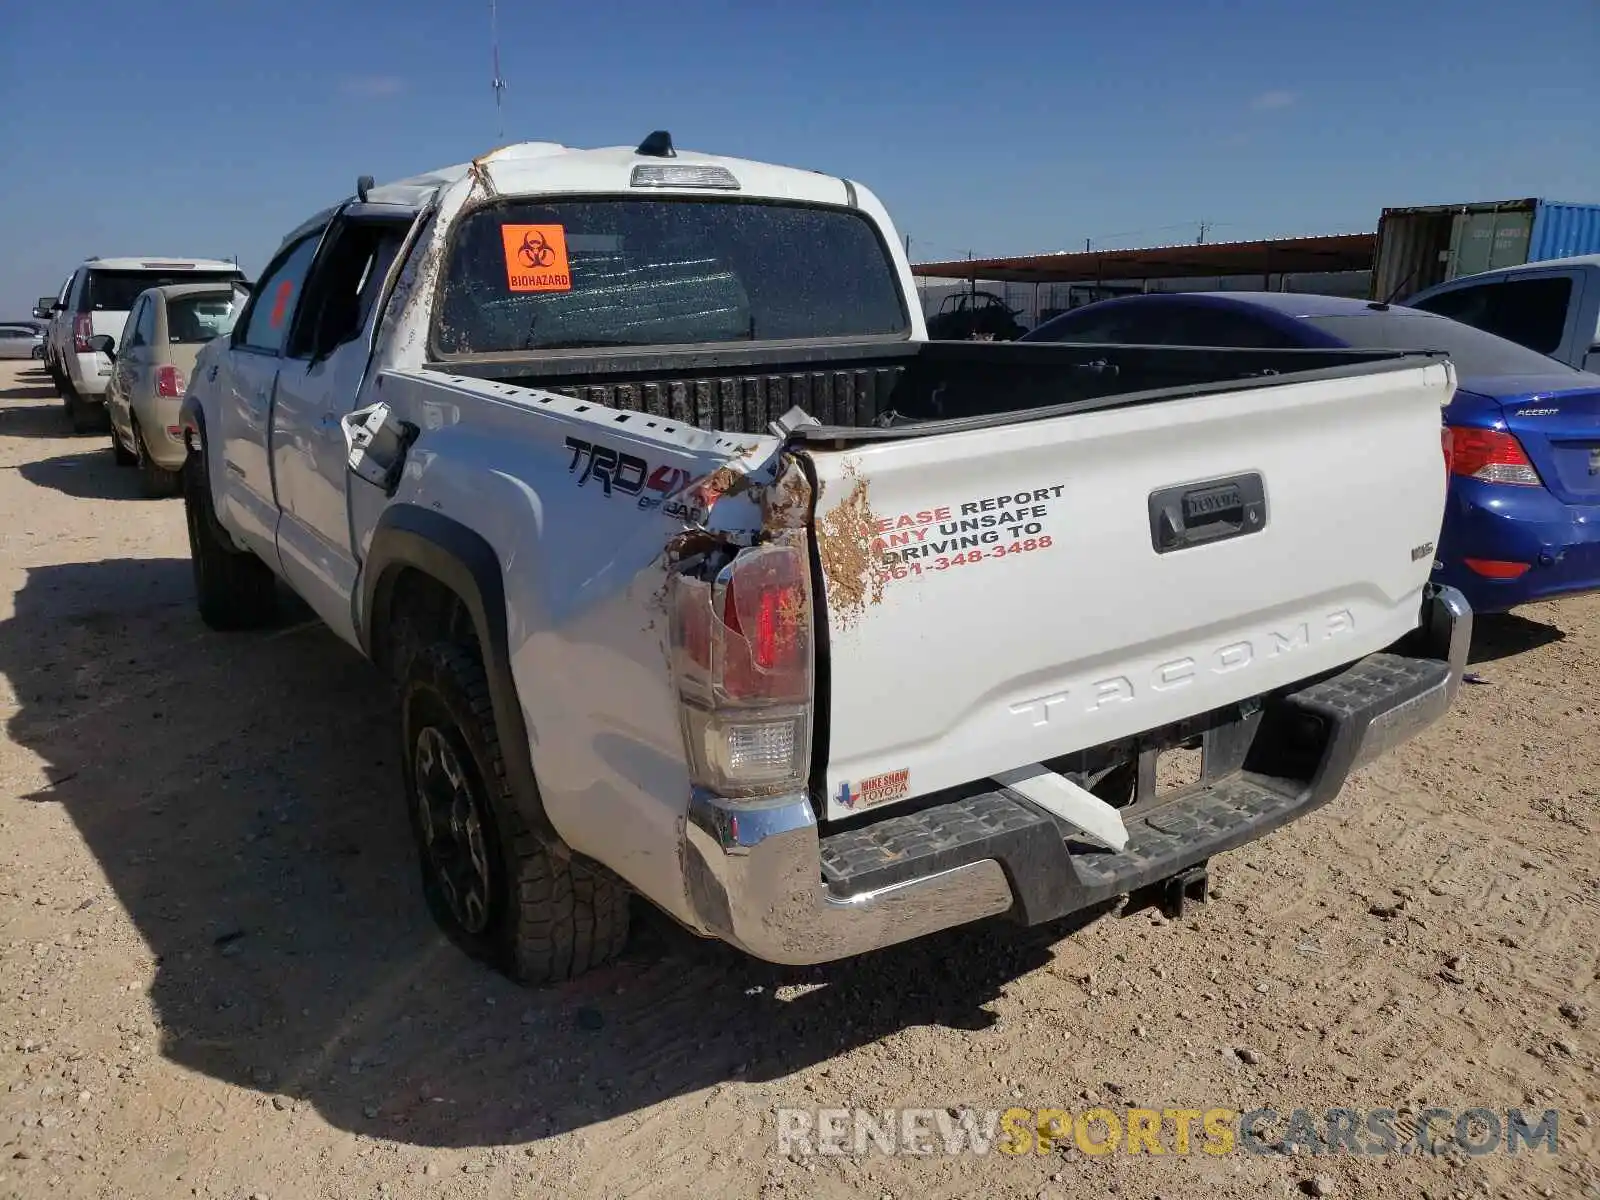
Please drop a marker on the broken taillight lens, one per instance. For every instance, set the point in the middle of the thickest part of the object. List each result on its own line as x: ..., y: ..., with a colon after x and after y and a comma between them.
x: 744, y: 665
x: 766, y: 625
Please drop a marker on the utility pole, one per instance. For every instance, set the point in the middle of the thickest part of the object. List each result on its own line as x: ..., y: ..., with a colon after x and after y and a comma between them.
x: 1205, y: 228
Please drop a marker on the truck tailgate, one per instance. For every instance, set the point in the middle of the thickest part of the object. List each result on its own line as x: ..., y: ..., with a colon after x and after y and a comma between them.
x: 999, y: 596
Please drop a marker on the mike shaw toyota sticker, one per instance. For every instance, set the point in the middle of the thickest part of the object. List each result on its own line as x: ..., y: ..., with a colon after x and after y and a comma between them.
x: 876, y: 789
x: 975, y: 531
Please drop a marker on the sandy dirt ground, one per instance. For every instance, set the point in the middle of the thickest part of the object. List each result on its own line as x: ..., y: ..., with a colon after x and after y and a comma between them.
x: 217, y: 977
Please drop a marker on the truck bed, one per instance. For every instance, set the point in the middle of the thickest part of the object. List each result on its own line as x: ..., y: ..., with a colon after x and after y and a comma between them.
x: 866, y: 385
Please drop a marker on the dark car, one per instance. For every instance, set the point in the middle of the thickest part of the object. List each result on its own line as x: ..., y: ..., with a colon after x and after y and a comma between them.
x: 1523, y: 518
x: 965, y: 316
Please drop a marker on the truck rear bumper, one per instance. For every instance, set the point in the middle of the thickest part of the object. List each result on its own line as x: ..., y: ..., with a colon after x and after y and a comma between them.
x: 764, y: 876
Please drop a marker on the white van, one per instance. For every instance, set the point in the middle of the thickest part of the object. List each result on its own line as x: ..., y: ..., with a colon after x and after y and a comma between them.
x: 97, y: 299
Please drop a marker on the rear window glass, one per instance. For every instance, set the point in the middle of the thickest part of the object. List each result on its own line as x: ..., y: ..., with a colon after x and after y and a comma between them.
x: 200, y: 318
x: 532, y: 275
x: 115, y: 291
x: 1473, y: 351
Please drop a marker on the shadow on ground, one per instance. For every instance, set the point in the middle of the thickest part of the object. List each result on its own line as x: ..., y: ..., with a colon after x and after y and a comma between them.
x: 23, y: 415
x: 31, y: 407
x: 242, y: 794
x: 88, y: 474
x: 1503, y: 635
x: 29, y: 389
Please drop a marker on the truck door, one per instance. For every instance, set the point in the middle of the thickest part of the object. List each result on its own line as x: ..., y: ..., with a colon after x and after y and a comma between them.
x: 319, y: 380
x: 246, y: 383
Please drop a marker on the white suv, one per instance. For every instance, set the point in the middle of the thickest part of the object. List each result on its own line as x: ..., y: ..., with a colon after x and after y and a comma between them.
x: 96, y: 300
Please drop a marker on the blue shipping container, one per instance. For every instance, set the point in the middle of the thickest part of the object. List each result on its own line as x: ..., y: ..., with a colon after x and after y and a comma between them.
x: 1563, y: 230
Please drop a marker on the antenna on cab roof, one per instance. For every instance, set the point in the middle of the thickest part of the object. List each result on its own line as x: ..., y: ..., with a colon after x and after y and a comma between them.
x: 657, y: 145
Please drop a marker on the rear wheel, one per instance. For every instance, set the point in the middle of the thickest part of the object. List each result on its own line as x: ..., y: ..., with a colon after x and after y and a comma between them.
x: 157, y: 481
x: 234, y: 588
x: 84, y: 416
x: 495, y: 889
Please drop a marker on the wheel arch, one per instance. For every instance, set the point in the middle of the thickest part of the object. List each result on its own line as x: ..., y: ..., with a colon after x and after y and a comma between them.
x: 411, y: 542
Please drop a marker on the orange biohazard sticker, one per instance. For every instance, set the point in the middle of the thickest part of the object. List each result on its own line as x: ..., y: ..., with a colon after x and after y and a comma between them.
x: 536, y: 258
x: 280, y: 303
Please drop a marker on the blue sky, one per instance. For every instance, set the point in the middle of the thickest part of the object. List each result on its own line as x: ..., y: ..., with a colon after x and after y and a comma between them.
x: 203, y: 128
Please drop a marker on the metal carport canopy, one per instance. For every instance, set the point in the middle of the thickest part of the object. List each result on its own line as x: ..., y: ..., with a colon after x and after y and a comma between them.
x: 1329, y: 252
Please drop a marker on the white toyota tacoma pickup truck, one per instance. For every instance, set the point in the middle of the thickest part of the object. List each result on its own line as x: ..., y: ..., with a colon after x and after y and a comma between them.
x: 704, y: 574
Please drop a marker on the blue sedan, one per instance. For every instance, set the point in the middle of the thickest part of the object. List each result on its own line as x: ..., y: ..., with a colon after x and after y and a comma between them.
x: 1523, y: 518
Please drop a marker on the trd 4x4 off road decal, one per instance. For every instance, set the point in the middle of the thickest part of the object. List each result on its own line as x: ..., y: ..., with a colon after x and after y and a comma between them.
x: 630, y: 475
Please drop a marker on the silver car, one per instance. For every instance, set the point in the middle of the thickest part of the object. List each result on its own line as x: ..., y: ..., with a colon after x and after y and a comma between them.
x: 21, y: 341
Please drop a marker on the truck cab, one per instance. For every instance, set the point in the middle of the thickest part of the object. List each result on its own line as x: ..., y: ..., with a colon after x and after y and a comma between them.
x: 1552, y: 307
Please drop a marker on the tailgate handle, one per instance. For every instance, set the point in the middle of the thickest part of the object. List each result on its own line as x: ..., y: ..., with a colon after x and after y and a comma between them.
x: 1195, y: 514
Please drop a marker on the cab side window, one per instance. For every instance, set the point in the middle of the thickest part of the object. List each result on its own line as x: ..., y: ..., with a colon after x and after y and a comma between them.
x: 1530, y: 312
x: 340, y: 294
x: 1534, y: 312
x: 273, y: 305
x: 1469, y: 305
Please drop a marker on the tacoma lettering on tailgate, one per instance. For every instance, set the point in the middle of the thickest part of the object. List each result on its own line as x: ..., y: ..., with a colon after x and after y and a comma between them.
x: 1180, y: 672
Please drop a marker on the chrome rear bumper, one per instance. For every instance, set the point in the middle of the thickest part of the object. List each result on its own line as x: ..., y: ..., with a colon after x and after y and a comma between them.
x: 762, y: 876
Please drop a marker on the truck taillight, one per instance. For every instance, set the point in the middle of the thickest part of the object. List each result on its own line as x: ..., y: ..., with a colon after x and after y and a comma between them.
x: 82, y: 331
x: 169, y: 382
x: 1491, y: 455
x: 743, y: 659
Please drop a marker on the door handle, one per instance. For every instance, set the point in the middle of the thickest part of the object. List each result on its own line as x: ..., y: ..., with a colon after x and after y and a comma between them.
x: 1197, y: 513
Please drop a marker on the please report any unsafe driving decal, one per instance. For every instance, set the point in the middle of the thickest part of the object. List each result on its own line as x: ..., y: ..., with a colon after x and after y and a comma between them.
x: 986, y: 529
x: 536, y: 258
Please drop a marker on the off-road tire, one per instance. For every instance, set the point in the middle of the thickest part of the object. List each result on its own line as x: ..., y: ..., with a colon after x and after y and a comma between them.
x: 157, y: 482
x: 545, y: 916
x: 120, y: 454
x: 234, y: 589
